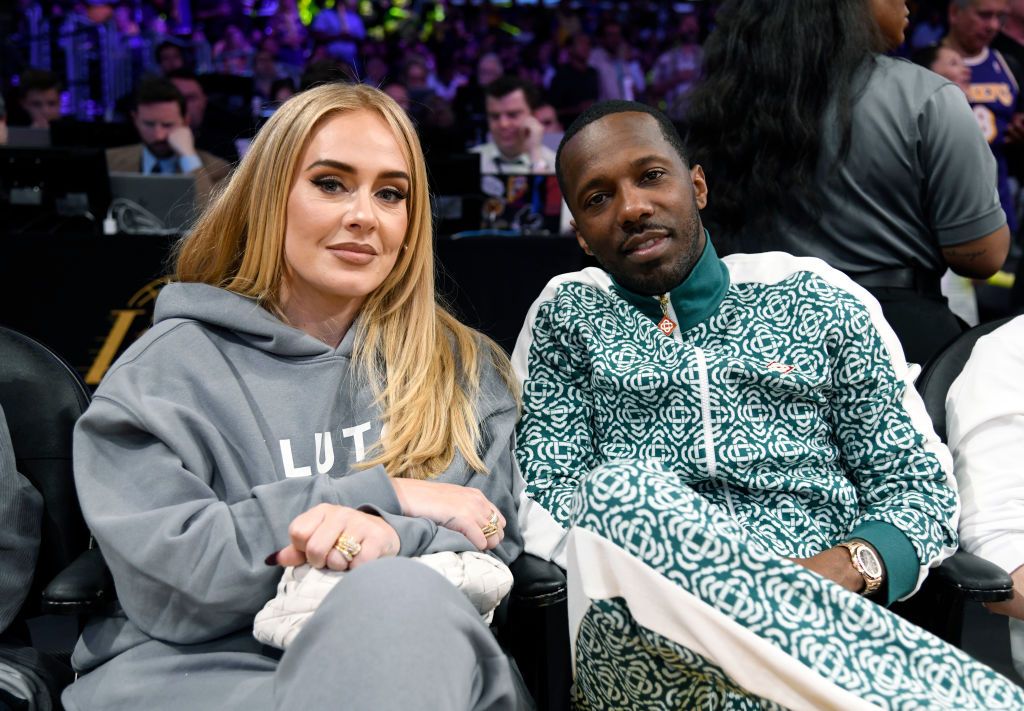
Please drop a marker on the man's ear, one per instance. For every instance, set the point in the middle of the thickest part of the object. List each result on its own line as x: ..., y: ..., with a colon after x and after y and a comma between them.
x: 700, y: 186
x: 579, y: 238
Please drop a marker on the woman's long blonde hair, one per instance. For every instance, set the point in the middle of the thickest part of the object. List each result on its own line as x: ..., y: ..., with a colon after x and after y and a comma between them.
x: 423, y: 365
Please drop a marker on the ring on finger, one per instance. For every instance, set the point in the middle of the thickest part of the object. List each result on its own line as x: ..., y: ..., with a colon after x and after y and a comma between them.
x: 489, y: 530
x: 348, y: 547
x: 493, y: 520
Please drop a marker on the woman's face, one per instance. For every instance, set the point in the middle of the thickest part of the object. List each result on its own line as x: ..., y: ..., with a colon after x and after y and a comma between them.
x: 891, y: 16
x: 948, y: 63
x: 347, y: 214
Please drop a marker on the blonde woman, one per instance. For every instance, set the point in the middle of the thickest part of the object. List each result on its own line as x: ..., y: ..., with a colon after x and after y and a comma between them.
x: 301, y: 398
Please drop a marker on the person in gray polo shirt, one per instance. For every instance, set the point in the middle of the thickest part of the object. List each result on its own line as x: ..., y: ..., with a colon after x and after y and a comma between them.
x: 823, y: 146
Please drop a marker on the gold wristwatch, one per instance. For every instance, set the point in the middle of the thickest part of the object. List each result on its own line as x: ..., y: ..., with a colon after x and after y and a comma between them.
x: 867, y: 563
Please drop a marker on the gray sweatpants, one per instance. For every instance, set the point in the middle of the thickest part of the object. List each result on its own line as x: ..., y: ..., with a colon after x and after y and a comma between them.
x: 391, y: 635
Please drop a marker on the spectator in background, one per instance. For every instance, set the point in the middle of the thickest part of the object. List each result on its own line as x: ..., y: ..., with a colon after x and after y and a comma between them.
x: 516, y: 136
x: 40, y: 97
x: 830, y: 169
x: 994, y: 89
x: 342, y: 29
x: 3, y: 122
x: 1010, y: 40
x: 282, y: 90
x: 264, y: 73
x: 169, y: 57
x: 400, y: 94
x: 470, y: 100
x: 232, y: 54
x: 375, y: 71
x: 929, y: 28
x: 576, y: 85
x: 985, y: 418
x: 168, y: 145
x: 677, y: 69
x: 946, y: 63
x: 416, y: 77
x: 620, y: 73
x: 214, y: 128
x: 548, y: 117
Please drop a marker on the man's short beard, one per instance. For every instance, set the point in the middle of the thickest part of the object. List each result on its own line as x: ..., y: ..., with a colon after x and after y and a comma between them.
x: 668, y: 277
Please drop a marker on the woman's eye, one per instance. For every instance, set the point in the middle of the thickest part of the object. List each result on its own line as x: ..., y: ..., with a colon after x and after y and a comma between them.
x: 329, y: 184
x: 392, y: 195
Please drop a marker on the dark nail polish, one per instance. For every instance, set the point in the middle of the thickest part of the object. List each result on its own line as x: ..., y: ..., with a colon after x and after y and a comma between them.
x: 271, y: 559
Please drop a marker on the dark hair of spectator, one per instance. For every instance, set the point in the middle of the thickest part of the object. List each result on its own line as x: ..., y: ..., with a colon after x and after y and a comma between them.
x: 925, y: 56
x: 755, y: 121
x: 183, y: 73
x: 39, y: 80
x: 157, y: 90
x: 505, y: 85
x: 164, y: 45
x: 281, y: 83
x: 325, y: 71
x: 616, y: 106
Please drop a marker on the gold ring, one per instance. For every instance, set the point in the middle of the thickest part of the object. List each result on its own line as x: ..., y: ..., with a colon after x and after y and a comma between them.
x: 489, y: 530
x: 493, y: 520
x: 348, y: 547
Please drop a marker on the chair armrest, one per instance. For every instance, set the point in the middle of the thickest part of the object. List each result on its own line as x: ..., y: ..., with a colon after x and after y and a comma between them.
x: 538, y: 582
x: 977, y: 578
x: 85, y: 586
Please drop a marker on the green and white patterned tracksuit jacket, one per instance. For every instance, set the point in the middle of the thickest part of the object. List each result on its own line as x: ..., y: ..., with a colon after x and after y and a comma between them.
x: 783, y: 396
x: 674, y: 475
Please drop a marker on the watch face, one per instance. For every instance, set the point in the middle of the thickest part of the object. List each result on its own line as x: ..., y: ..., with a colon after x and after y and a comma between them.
x: 869, y: 562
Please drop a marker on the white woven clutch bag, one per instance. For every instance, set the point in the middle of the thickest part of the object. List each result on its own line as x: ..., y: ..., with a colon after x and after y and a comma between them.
x: 485, y: 580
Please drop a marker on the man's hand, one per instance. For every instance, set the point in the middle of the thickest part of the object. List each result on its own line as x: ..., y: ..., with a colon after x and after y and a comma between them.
x: 836, y: 565
x: 1014, y: 607
x: 181, y: 141
x: 533, y: 138
x: 460, y: 508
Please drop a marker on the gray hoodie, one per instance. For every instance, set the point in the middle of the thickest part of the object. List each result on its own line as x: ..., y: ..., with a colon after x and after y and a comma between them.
x: 209, y: 435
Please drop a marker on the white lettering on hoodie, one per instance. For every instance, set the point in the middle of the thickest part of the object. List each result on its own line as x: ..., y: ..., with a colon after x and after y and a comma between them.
x: 324, y: 448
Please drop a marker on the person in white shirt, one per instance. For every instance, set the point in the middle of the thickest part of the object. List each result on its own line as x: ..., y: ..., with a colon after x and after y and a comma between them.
x: 621, y: 74
x: 516, y: 145
x: 985, y: 420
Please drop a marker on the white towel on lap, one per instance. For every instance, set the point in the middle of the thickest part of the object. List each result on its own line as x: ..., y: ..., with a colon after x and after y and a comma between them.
x: 485, y: 580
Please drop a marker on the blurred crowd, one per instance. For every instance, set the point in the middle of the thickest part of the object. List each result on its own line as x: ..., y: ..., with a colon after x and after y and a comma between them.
x: 433, y: 57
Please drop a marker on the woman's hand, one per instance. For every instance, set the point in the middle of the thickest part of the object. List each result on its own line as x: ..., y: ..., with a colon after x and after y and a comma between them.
x: 315, y: 534
x: 460, y: 508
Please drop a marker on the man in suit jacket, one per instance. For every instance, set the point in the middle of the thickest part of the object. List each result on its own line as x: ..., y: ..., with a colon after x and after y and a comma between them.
x: 168, y: 145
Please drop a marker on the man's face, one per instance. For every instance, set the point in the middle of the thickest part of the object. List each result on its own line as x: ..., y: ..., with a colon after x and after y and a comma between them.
x: 579, y: 50
x: 195, y: 100
x: 506, y: 119
x: 42, y: 106
x: 548, y: 118
x: 488, y: 69
x: 170, y: 59
x: 975, y: 26
x: 155, y: 122
x: 634, y: 202
x: 612, y: 37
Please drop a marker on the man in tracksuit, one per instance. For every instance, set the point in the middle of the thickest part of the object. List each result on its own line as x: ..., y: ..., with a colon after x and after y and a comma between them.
x: 729, y: 457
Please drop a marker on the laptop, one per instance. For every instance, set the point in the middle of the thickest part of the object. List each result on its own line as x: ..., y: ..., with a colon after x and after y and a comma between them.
x: 170, y: 198
x: 28, y: 137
